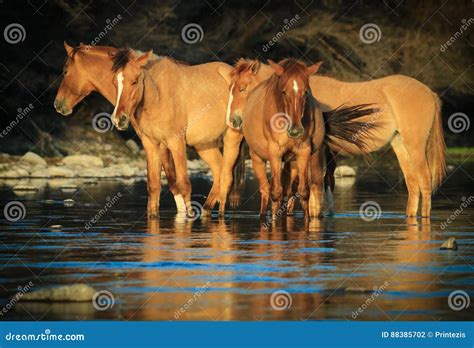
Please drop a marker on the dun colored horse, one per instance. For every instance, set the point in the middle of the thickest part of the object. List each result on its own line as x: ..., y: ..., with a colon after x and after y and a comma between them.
x: 175, y: 105
x: 409, y: 118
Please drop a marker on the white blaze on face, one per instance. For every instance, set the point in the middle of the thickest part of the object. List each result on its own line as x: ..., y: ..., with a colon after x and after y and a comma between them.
x: 229, y: 105
x: 119, y: 91
x: 295, y: 87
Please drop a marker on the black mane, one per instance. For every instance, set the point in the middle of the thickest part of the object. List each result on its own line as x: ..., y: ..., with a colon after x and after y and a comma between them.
x: 121, y: 58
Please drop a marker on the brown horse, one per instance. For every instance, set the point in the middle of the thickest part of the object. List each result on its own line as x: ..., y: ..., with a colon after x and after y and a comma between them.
x: 88, y: 69
x: 281, y: 118
x: 169, y: 99
x: 409, y: 118
x: 340, y: 124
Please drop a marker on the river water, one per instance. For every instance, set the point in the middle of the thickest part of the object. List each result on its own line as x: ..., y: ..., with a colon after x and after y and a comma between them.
x: 342, y: 267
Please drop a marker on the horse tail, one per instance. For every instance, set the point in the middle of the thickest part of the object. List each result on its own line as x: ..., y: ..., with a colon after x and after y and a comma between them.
x: 436, y: 147
x: 342, y: 125
x: 239, y: 177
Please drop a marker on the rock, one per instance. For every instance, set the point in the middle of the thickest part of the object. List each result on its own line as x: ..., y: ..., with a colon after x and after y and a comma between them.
x: 15, y: 173
x: 83, y: 161
x: 56, y: 227
x: 68, y: 202
x: 59, y: 172
x: 48, y: 201
x: 132, y: 145
x: 449, y: 244
x: 197, y: 166
x: 122, y: 170
x: 41, y: 173
x: 344, y: 171
x: 69, y: 188
x: 25, y: 187
x: 67, y: 293
x: 34, y: 159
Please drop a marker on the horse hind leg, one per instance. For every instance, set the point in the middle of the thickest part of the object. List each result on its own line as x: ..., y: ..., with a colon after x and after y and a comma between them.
x: 213, y: 158
x: 288, y: 178
x: 409, y: 172
x: 170, y: 171
x: 316, y: 184
x: 329, y: 181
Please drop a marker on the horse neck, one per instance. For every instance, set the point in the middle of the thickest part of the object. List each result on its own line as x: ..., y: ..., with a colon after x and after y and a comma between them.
x: 150, y: 92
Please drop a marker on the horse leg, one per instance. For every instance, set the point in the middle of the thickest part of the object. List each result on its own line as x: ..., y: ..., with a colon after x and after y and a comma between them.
x: 213, y: 158
x: 232, y: 140
x: 409, y: 174
x: 277, y: 189
x: 423, y: 174
x: 288, y: 177
x: 259, y: 169
x: 170, y: 171
x: 316, y: 183
x: 302, y: 160
x: 153, y: 163
x: 178, y: 152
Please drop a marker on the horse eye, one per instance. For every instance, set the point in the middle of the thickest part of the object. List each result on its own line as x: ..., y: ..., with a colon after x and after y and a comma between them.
x: 135, y: 82
x: 283, y: 92
x: 242, y: 89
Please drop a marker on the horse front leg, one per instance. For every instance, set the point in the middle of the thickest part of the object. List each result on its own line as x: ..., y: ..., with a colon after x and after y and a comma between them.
x: 277, y: 189
x: 178, y: 152
x: 302, y: 161
x: 170, y: 171
x: 232, y: 140
x: 153, y: 162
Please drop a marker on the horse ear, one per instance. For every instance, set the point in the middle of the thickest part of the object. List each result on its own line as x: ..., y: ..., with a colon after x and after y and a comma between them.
x: 144, y: 58
x: 68, y: 48
x: 255, y: 67
x: 313, y: 69
x: 277, y: 69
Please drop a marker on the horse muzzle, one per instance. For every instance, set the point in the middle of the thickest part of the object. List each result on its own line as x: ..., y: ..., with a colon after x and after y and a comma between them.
x: 61, y: 107
x: 121, y: 122
x: 295, y: 132
x: 236, y: 121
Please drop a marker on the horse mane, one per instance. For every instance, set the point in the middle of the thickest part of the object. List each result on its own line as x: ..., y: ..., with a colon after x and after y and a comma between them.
x: 121, y: 59
x: 240, y: 66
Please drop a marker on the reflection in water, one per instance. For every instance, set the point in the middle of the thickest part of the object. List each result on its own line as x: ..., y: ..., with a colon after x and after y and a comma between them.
x: 211, y: 269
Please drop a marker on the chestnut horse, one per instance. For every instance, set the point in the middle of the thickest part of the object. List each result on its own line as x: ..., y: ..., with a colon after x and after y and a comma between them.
x: 169, y: 99
x: 409, y: 118
x: 281, y: 118
x: 340, y: 124
x: 88, y: 69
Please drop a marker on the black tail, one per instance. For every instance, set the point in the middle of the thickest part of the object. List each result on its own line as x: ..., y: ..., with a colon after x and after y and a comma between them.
x: 239, y: 177
x: 343, y: 126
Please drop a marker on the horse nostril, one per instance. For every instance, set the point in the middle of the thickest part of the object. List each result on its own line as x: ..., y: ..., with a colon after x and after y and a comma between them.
x: 55, y: 104
x: 236, y: 122
x: 123, y: 118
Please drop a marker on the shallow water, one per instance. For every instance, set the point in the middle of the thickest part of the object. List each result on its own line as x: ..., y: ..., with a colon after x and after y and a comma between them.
x: 213, y: 269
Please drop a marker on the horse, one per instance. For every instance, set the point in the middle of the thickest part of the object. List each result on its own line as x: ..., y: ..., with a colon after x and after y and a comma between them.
x: 339, y: 124
x: 169, y: 99
x: 408, y: 117
x: 281, y: 118
x: 90, y: 68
